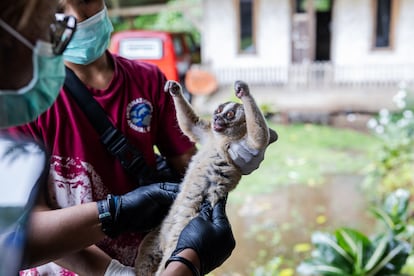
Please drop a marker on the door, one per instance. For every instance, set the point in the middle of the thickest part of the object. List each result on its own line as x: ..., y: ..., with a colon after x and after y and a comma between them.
x: 311, y: 30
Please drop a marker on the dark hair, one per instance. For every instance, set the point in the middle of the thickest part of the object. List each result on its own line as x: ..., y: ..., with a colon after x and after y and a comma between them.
x: 31, y: 19
x: 17, y: 13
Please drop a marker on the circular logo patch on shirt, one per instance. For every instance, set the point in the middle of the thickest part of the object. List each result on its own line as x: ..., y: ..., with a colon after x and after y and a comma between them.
x: 139, y: 113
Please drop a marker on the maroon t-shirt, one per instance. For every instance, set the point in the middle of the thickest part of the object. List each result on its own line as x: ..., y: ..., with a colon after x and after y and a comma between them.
x: 81, y: 168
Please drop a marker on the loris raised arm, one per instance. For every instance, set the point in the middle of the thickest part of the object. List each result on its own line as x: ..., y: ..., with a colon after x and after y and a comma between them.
x: 248, y: 152
x: 256, y: 136
x: 189, y: 122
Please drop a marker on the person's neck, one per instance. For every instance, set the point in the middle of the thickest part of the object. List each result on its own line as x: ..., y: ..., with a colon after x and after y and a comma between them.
x: 97, y: 74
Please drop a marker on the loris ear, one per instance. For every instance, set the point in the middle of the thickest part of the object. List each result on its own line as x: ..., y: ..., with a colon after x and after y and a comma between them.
x: 272, y: 136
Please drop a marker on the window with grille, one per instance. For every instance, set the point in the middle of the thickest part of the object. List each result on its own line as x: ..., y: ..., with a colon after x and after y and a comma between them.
x: 246, y: 27
x: 383, y: 30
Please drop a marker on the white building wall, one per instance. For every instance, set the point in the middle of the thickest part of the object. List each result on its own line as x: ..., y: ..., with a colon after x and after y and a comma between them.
x: 220, y: 35
x: 404, y: 32
x: 273, y: 33
x: 353, y: 31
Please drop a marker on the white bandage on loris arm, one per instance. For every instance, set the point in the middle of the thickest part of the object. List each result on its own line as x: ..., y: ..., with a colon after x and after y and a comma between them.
x: 245, y: 158
x: 116, y: 268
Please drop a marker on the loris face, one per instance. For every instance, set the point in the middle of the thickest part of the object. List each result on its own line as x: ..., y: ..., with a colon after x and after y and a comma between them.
x: 229, y: 119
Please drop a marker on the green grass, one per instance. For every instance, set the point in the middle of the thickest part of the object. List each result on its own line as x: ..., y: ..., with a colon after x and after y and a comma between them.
x: 304, y: 154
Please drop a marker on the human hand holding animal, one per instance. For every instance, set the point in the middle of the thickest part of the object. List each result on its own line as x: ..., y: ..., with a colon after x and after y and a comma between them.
x: 140, y: 210
x: 210, y: 235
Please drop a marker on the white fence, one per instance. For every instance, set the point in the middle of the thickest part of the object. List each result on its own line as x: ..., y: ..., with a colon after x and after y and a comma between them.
x: 319, y: 75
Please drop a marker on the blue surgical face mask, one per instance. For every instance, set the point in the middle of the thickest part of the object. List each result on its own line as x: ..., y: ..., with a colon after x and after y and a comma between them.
x: 27, y: 103
x: 90, y: 39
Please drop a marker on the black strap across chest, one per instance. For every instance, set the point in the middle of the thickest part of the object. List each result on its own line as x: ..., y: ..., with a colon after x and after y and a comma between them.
x: 114, y: 140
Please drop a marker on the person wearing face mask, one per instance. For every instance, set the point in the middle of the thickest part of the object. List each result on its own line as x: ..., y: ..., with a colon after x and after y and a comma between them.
x: 90, y: 215
x: 18, y: 106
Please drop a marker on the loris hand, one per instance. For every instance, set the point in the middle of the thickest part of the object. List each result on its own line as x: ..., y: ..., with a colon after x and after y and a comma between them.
x: 141, y: 210
x: 241, y: 88
x: 173, y: 87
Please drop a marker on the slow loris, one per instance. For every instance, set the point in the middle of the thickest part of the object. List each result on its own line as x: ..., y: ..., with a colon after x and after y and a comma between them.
x: 236, y: 134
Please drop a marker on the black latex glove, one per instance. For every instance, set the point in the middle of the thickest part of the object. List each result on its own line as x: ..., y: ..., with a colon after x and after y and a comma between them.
x: 140, y: 210
x: 210, y: 235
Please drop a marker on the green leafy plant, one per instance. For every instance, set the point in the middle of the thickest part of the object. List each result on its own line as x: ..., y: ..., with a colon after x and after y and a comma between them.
x: 167, y: 20
x: 394, y: 214
x: 392, y: 166
x: 349, y: 252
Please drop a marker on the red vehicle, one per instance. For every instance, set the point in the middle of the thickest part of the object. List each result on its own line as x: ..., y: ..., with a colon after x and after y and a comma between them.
x: 166, y: 49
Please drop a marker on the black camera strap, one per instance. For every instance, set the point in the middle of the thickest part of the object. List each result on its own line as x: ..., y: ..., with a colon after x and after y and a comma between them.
x: 114, y: 140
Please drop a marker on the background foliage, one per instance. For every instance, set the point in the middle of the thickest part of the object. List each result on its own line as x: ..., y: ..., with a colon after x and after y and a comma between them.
x: 167, y: 20
x: 393, y: 163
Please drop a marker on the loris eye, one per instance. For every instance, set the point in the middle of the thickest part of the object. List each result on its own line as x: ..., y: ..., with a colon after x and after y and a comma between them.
x: 219, y: 110
x: 230, y: 115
